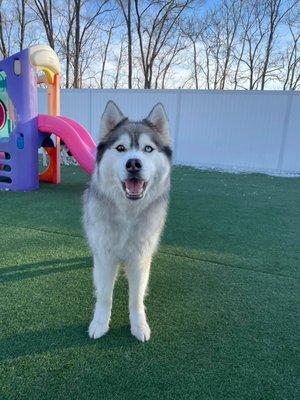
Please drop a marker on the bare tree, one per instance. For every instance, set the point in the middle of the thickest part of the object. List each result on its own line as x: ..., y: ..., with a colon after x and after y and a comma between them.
x: 292, y: 53
x: 111, y: 26
x: 254, y: 34
x: 67, y: 42
x: 157, y: 25
x: 239, y: 44
x: 21, y: 15
x: 78, y: 29
x: 245, y: 25
x: 119, y: 66
x: 231, y: 15
x: 214, y: 39
x: 44, y: 11
x: 192, y: 31
x: 126, y: 9
x: 275, y: 14
x: 3, y: 44
x: 82, y: 32
x: 169, y: 59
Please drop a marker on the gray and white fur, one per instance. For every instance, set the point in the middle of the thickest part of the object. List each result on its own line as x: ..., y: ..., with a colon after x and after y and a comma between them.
x: 125, y: 209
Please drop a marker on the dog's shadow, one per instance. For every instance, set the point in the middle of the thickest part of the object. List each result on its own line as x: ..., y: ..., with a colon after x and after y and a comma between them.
x: 32, y: 270
x: 37, y: 342
x: 52, y: 339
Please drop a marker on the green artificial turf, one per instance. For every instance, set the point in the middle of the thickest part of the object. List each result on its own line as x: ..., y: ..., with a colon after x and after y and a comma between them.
x: 222, y: 300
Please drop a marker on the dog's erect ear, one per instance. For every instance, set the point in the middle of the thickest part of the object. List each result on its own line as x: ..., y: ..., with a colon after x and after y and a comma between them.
x: 111, y: 117
x: 159, y: 119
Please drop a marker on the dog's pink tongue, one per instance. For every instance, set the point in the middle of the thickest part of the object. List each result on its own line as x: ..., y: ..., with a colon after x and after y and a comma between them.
x: 134, y: 186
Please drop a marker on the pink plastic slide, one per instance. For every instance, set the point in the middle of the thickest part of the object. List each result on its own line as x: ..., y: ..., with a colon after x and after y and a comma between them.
x: 77, y: 139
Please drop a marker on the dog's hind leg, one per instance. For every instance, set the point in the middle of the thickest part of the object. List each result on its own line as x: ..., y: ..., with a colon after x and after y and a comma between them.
x: 138, y: 276
x: 105, y: 272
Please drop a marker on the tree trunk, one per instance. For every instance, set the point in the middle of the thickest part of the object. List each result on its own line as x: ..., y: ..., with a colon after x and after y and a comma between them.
x: 22, y: 22
x: 76, y: 80
x: 3, y: 47
x: 129, y: 33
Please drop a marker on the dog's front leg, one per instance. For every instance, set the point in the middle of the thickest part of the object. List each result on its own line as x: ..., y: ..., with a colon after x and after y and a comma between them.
x: 138, y: 275
x: 104, y: 273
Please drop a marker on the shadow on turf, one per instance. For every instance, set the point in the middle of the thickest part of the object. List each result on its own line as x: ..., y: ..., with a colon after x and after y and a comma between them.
x: 32, y: 270
x: 33, y: 343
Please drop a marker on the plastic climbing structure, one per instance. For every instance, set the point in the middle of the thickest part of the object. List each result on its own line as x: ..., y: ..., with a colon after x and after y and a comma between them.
x: 23, y: 131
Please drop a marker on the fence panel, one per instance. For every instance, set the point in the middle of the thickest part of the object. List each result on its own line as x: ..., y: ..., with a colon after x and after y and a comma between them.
x: 231, y: 130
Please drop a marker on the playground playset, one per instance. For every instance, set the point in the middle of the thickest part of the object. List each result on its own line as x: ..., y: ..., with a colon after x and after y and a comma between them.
x: 23, y: 131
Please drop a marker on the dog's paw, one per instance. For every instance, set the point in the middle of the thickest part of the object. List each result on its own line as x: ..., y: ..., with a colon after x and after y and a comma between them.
x: 141, y: 332
x: 97, y: 329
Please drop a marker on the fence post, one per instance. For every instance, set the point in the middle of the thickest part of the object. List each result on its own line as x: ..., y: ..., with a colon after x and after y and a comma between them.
x: 177, y: 123
x: 285, y: 130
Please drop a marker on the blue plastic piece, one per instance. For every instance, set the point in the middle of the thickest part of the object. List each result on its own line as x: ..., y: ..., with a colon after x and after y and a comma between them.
x: 20, y: 141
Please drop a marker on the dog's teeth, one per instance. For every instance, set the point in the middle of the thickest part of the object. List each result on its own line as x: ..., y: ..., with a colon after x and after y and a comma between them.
x: 133, y: 193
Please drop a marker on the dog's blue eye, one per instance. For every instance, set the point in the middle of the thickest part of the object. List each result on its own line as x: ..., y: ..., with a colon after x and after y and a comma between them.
x: 120, y: 148
x: 148, y: 149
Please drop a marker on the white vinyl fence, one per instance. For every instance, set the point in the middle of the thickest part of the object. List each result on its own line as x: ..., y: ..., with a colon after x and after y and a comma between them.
x: 228, y: 130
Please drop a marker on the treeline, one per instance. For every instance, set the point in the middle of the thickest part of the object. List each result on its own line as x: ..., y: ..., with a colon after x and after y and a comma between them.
x: 225, y: 44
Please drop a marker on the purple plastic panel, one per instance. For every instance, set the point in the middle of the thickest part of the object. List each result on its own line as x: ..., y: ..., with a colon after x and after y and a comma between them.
x: 22, y: 144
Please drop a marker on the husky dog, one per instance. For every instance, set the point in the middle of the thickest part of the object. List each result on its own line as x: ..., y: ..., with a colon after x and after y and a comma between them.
x: 125, y: 209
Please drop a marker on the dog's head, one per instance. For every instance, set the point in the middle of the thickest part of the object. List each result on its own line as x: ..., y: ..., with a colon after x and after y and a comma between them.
x: 133, y: 158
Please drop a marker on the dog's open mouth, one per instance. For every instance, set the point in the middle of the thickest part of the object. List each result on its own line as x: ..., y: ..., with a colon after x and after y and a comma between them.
x: 134, y: 188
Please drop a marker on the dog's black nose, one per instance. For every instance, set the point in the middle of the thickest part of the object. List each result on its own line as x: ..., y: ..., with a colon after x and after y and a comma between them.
x: 134, y: 165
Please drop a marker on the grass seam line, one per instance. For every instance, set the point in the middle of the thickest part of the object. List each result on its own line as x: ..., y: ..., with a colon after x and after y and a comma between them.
x: 227, y: 265
x: 162, y: 252
x: 42, y: 230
